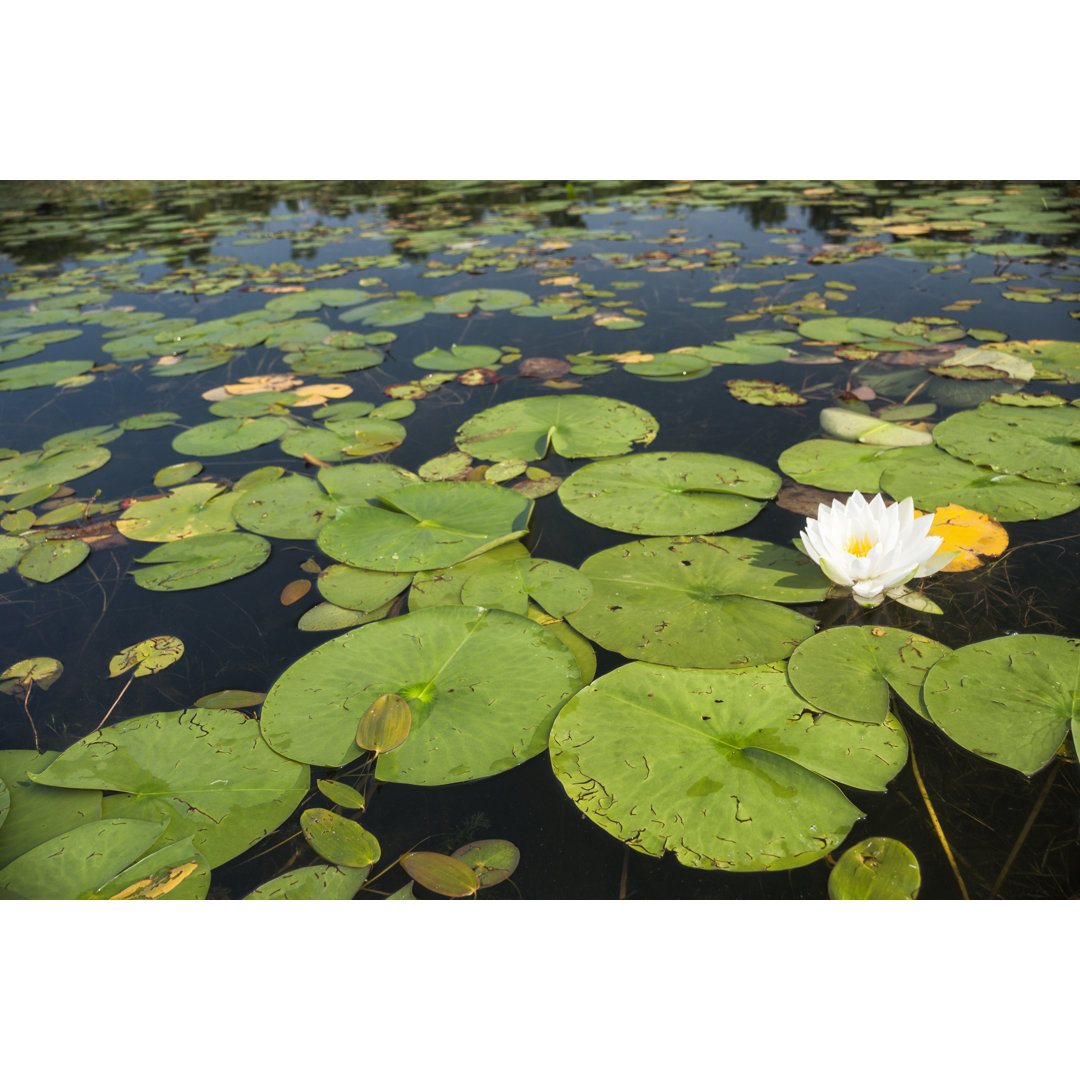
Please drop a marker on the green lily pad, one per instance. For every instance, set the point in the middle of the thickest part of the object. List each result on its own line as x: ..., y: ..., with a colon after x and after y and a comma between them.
x: 12, y: 549
x: 37, y: 813
x: 837, y: 466
x: 744, y: 350
x: 1010, y: 699
x: 426, y: 526
x: 442, y: 874
x: 878, y: 868
x: 666, y: 365
x: 933, y: 478
x: 492, y: 861
x: 362, y: 483
x: 148, y: 421
x: 341, y: 794
x: 700, y: 602
x: 52, y: 559
x: 457, y: 358
x: 367, y: 435
x: 188, y: 511
x: 482, y: 687
x: 877, y: 334
x: 360, y: 590
x: 669, y: 494
x: 858, y: 427
x: 442, y: 587
x: 579, y: 426
x: 1040, y: 444
x: 313, y: 883
x: 230, y: 435
x: 466, y: 300
x: 507, y: 585
x: 199, y: 561
x: 454, y: 465
x: 24, y: 472
x: 48, y: 373
x: 74, y: 865
x: 847, y: 671
x: 733, y: 772
x: 203, y: 773
x: 389, y: 312
x: 172, y: 475
x: 339, y: 840
x: 290, y: 508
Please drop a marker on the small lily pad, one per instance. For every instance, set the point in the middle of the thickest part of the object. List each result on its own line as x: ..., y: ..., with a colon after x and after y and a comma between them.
x: 878, y: 868
x: 338, y: 839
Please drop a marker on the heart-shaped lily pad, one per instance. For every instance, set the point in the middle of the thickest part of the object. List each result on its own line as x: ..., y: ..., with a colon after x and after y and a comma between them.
x: 230, y: 435
x: 38, y: 468
x: 699, y: 601
x: 726, y: 769
x: 878, y: 868
x: 482, y: 687
x: 836, y: 466
x: 290, y: 508
x: 848, y: 670
x: 360, y: 590
x: 191, y: 510
x: 1011, y: 699
x: 199, y: 561
x: 507, y: 585
x: 669, y: 494
x: 205, y: 773
x: 579, y: 426
x: 425, y: 526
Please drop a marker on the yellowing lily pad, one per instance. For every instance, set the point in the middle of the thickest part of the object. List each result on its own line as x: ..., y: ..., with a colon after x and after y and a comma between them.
x: 968, y: 533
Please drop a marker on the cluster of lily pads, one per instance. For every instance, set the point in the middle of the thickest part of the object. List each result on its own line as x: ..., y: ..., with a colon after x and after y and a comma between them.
x: 729, y: 734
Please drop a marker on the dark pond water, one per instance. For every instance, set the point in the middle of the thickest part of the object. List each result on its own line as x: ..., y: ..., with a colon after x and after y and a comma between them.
x: 628, y: 269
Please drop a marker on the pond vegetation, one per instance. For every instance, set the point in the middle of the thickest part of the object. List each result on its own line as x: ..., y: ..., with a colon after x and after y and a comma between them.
x: 412, y: 540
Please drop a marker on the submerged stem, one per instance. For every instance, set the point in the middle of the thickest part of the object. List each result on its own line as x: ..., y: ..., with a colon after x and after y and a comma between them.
x: 1026, y: 829
x: 101, y: 722
x: 26, y: 709
x: 937, y: 827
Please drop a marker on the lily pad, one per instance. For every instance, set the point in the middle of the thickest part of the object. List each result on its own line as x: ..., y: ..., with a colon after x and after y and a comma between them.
x: 848, y: 670
x: 858, y: 427
x: 702, y: 602
x: 442, y: 587
x: 230, y: 435
x: 360, y: 590
x: 426, y: 526
x: 339, y: 840
x: 290, y: 508
x: 466, y: 300
x: 147, y: 657
x: 52, y: 559
x: 48, y: 373
x: 199, y: 561
x: 362, y: 483
x: 24, y: 472
x: 763, y: 392
x: 188, y: 511
x: 836, y: 466
x: 507, y: 585
x: 578, y: 426
x: 726, y: 769
x: 669, y: 494
x: 313, y: 883
x: 1010, y: 699
x: 878, y: 868
x: 442, y: 874
x: 1041, y: 444
x: 457, y: 358
x: 482, y: 687
x: 203, y: 773
x: 174, y: 872
x: 492, y: 861
x: 933, y: 478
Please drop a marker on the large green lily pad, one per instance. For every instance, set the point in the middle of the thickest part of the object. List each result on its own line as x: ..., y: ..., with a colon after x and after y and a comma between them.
x: 74, y: 865
x: 482, y: 687
x: 190, y: 510
x: 230, y: 435
x: 290, y: 508
x: 848, y: 670
x: 52, y: 559
x: 507, y: 585
x: 363, y: 483
x: 579, y: 426
x: 425, y: 526
x: 1011, y: 699
x: 38, y: 468
x: 203, y: 773
x: 933, y: 478
x: 836, y: 466
x: 670, y: 494
x: 437, y: 588
x: 726, y: 769
x: 199, y: 561
x: 699, y: 601
x: 1041, y: 444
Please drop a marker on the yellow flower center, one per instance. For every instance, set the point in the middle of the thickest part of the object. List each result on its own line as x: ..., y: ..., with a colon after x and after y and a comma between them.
x: 859, y: 545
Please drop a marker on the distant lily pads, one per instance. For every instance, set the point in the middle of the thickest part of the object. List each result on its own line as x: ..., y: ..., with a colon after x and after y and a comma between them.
x: 669, y: 494
x: 702, y: 602
x: 579, y: 426
x: 726, y: 769
x: 482, y: 687
x: 48, y: 373
x: 230, y: 435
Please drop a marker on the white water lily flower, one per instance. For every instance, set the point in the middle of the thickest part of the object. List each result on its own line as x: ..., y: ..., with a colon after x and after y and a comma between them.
x: 871, y: 548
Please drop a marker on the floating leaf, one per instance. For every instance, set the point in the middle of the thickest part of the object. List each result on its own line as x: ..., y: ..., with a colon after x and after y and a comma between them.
x: 669, y: 494
x: 578, y: 426
x: 1010, y: 699
x: 858, y: 427
x: 360, y: 590
x: 230, y: 699
x: 452, y: 466
x: 848, y: 670
x: 482, y: 686
x: 492, y: 861
x: 878, y: 868
x: 203, y: 773
x: 199, y: 561
x: 385, y: 725
x: 341, y: 794
x: 24, y: 472
x: 968, y: 533
x: 295, y: 590
x: 507, y: 585
x: 338, y: 839
x: 290, y: 508
x: 230, y: 436
x: 147, y: 657
x: 457, y: 358
x: 426, y: 526
x: 700, y: 602
x: 313, y: 883
x: 734, y: 773
x: 49, y: 373
x: 836, y: 466
x: 188, y: 511
x: 40, y: 671
x: 442, y: 874
x: 763, y: 392
x: 177, y: 474
x: 52, y: 559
